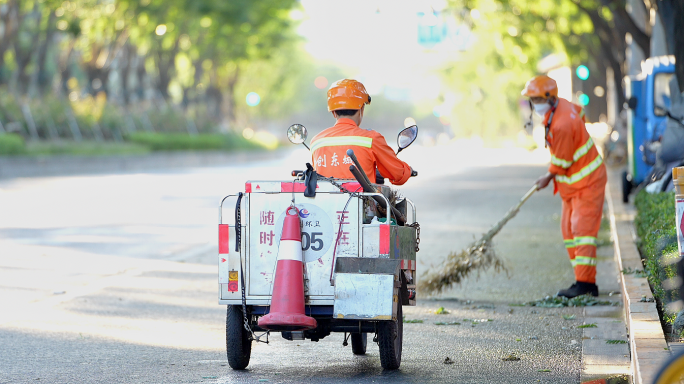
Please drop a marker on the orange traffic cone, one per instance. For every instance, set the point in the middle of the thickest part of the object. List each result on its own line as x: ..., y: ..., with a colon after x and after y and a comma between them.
x: 287, y: 302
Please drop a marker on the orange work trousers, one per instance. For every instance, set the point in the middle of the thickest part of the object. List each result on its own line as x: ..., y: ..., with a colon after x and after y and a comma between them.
x: 580, y: 224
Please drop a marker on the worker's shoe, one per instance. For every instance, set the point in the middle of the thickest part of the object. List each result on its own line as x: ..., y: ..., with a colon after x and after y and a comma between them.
x: 578, y: 289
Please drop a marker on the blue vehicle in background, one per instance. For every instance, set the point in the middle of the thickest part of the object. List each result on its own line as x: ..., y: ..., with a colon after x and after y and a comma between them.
x: 647, y: 94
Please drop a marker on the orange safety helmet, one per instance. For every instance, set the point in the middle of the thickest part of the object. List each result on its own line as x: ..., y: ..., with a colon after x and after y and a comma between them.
x: 347, y: 94
x: 540, y: 86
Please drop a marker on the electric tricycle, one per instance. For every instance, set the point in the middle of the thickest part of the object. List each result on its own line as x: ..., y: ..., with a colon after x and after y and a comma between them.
x: 358, y: 253
x: 648, y: 97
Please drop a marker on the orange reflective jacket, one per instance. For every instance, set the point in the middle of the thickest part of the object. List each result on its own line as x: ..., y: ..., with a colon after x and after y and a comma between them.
x: 329, y: 153
x: 574, y: 157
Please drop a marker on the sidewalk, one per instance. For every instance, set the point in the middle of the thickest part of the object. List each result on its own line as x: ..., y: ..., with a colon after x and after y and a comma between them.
x: 647, y: 343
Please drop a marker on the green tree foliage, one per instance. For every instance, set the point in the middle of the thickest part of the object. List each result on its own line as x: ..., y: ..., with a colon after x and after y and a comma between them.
x: 588, y: 31
x: 142, y: 55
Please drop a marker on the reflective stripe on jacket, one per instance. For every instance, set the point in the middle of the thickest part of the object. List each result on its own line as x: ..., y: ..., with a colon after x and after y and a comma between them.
x: 329, y: 153
x: 574, y: 157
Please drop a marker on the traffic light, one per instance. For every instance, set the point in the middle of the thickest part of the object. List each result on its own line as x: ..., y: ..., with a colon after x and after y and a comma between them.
x: 583, y: 99
x: 582, y: 72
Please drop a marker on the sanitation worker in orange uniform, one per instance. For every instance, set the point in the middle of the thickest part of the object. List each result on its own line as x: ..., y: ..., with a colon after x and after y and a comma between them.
x: 347, y: 100
x: 579, y: 176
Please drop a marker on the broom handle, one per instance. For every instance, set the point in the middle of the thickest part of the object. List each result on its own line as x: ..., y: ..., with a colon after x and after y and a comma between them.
x: 527, y: 195
x: 511, y: 213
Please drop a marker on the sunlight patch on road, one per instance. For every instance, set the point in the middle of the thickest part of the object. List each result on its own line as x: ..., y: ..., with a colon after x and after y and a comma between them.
x: 107, y: 317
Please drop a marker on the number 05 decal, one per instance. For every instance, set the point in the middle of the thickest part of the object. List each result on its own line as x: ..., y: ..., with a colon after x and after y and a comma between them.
x: 312, y: 241
x: 316, y: 231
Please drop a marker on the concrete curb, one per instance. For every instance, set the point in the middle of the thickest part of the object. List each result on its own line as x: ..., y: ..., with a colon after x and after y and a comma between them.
x: 646, y: 338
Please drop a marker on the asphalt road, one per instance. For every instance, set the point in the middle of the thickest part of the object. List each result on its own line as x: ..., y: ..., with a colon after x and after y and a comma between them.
x: 110, y: 278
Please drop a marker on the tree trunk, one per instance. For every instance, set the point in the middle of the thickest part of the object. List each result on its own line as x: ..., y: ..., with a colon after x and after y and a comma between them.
x: 166, y: 65
x: 125, y: 69
x: 65, y: 67
x: 42, y: 78
x: 678, y: 8
x: 672, y: 15
x: 23, y: 55
x: 140, y: 74
x: 627, y: 24
x: 230, y: 99
x: 10, y: 20
x: 613, y: 46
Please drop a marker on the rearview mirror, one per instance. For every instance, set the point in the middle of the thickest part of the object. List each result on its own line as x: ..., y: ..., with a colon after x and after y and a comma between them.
x: 407, y: 137
x: 296, y: 134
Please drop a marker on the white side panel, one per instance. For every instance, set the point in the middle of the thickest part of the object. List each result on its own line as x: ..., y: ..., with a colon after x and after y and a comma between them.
x: 371, y: 241
x: 364, y: 296
x: 320, y: 219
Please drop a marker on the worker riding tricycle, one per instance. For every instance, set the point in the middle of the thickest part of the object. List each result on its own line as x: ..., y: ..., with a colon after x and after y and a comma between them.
x: 318, y: 254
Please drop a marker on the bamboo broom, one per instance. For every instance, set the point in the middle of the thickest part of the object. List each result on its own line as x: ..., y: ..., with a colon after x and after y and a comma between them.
x: 479, y: 255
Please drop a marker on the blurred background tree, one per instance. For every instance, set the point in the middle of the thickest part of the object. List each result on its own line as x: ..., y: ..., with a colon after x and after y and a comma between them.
x: 108, y: 70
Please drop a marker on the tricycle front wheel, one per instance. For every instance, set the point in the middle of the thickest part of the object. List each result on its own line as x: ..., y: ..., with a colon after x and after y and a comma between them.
x: 390, y: 334
x: 238, y: 340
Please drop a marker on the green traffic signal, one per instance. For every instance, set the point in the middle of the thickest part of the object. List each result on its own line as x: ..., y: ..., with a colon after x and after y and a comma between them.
x: 583, y: 99
x: 582, y: 72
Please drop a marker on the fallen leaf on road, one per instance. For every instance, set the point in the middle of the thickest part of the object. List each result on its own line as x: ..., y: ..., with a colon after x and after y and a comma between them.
x: 441, y: 311
x: 413, y: 321
x: 447, y: 323
x: 611, y: 341
x: 511, y: 357
x: 543, y: 370
x: 448, y: 360
x: 569, y: 317
x: 591, y: 325
x: 579, y: 301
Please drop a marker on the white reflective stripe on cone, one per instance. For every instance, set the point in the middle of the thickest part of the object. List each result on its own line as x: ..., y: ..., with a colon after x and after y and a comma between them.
x: 290, y: 250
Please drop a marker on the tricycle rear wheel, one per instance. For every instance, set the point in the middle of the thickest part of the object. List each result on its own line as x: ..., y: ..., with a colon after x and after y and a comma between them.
x: 390, y: 334
x: 238, y: 340
x: 359, y: 342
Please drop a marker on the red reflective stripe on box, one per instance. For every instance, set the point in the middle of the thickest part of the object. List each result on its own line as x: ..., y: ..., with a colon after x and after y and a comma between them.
x: 352, y: 187
x: 287, y: 187
x: 384, y: 239
x: 248, y: 187
x: 224, y: 239
x: 408, y: 264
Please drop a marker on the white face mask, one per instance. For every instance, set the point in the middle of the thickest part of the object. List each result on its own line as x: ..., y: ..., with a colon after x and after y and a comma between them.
x: 541, y: 109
